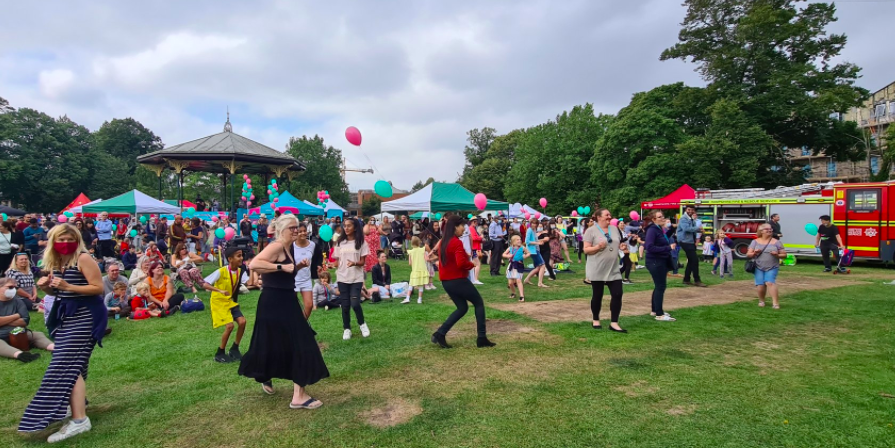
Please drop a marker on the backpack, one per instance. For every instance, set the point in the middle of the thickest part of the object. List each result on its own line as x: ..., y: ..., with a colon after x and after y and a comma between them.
x: 190, y: 305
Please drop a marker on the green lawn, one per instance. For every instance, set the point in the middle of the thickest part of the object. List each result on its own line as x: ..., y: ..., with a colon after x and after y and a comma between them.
x: 812, y: 374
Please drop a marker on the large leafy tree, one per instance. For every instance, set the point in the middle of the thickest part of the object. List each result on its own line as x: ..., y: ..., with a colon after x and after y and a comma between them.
x: 126, y: 139
x: 478, y: 141
x: 420, y: 184
x: 777, y: 60
x: 489, y: 176
x: 322, y: 173
x: 371, y: 206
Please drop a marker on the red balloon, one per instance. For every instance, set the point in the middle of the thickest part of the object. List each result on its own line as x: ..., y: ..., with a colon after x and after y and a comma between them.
x: 352, y: 134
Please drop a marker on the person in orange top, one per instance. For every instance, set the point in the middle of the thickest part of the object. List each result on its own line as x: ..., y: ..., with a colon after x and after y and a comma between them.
x: 161, y: 289
x: 454, y: 275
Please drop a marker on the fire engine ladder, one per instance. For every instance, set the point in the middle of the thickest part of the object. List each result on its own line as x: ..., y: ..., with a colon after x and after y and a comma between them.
x: 785, y: 192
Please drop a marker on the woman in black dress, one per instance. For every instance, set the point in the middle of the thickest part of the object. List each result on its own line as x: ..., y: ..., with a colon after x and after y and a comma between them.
x: 283, y: 344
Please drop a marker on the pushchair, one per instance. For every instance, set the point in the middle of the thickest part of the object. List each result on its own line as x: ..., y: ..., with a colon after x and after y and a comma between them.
x: 396, y: 249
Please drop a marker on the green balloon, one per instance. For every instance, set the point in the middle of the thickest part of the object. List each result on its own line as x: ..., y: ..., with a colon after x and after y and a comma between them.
x: 219, y: 232
x: 133, y: 233
x: 143, y: 219
x: 587, y: 210
x: 811, y: 228
x: 438, y: 216
x: 326, y: 233
x: 469, y: 216
x: 382, y: 188
x: 580, y: 211
x: 69, y: 214
x: 5, y: 217
x: 114, y: 227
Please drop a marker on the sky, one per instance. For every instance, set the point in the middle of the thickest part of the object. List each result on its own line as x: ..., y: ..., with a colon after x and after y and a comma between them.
x: 413, y: 76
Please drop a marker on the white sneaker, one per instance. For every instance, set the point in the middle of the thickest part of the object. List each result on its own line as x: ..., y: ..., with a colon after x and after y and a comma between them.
x: 70, y: 429
x: 477, y: 283
x: 346, y: 335
x: 407, y: 300
x: 365, y: 331
x: 665, y: 318
x: 419, y: 300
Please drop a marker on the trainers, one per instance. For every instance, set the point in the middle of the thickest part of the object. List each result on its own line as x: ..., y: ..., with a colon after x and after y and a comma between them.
x: 70, y: 429
x: 419, y: 300
x: 828, y: 270
x: 234, y: 353
x: 407, y: 300
x: 222, y: 357
x: 27, y: 357
x: 627, y: 282
x: 665, y: 318
x: 364, y: 330
x: 477, y: 283
x: 346, y: 335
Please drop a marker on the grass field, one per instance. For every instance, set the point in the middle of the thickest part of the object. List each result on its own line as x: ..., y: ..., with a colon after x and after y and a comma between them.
x: 820, y: 372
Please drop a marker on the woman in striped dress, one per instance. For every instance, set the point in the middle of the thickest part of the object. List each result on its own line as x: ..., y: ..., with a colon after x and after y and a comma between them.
x: 78, y: 320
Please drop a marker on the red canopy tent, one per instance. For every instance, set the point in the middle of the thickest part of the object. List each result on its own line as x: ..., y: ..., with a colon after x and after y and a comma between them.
x: 671, y: 201
x: 80, y: 200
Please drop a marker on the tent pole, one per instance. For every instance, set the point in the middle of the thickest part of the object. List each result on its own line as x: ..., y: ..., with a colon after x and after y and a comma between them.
x: 180, y: 194
x: 232, y: 195
x: 160, y: 186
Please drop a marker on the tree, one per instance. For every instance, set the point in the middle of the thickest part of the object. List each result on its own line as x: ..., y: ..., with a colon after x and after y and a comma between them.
x: 489, y: 176
x: 887, y: 159
x: 371, y: 206
x: 126, y: 139
x: 419, y: 185
x: 777, y: 60
x: 5, y: 107
x: 479, y: 141
x: 323, y: 163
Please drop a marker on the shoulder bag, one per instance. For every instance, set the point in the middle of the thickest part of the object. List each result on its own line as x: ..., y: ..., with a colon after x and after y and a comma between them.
x: 750, y: 263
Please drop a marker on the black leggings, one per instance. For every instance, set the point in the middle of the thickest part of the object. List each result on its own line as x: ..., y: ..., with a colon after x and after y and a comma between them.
x: 658, y: 269
x: 580, y: 249
x: 175, y: 300
x: 545, y: 254
x: 692, y: 262
x: 350, y: 296
x: 460, y: 291
x: 615, y: 303
x: 626, y: 266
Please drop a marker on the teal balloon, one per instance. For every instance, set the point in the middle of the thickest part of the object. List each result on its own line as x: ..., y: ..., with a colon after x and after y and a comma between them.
x: 811, y: 228
x: 581, y: 211
x: 469, y: 216
x: 219, y: 232
x: 438, y: 216
x: 587, y: 210
x: 114, y: 227
x: 133, y: 233
x: 326, y: 233
x: 5, y: 217
x: 68, y: 214
x: 143, y: 219
x: 382, y: 188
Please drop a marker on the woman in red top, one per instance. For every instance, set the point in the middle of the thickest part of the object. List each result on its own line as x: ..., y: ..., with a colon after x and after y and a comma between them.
x: 454, y: 274
x: 475, y: 243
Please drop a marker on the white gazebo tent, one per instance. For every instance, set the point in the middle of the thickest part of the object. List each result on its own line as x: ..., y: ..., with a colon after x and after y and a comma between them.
x: 78, y: 209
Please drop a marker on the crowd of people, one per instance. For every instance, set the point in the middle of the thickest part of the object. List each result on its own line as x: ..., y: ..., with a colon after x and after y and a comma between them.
x: 80, y: 266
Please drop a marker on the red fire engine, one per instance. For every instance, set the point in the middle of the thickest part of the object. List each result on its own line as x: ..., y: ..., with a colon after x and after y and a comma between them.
x: 863, y: 212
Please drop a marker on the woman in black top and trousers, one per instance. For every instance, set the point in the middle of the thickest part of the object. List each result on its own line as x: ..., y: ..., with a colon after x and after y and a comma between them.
x: 658, y: 262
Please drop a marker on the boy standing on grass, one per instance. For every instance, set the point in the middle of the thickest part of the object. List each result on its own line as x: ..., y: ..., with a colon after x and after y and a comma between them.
x: 224, y: 286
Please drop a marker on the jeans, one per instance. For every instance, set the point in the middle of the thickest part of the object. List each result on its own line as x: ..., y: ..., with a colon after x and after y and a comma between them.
x: 692, y: 262
x: 383, y: 242
x: 350, y: 295
x: 460, y: 291
x: 496, y: 256
x: 675, y: 258
x: 596, y: 300
x: 658, y: 269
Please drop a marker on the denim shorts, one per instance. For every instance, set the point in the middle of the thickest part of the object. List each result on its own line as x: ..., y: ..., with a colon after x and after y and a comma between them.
x: 537, y: 260
x: 763, y: 277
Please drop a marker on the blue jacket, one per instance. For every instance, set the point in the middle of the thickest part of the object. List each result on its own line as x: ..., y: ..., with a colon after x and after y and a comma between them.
x: 496, y: 232
x: 103, y: 230
x: 687, y: 232
x: 656, y: 244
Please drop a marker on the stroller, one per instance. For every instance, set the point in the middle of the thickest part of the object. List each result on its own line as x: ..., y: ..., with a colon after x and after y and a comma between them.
x: 845, y: 261
x: 396, y: 249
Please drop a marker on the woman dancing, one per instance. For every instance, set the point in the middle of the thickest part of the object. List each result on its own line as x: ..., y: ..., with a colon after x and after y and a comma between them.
x: 283, y: 344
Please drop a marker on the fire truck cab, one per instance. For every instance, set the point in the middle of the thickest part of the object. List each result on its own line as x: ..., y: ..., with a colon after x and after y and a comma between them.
x: 863, y: 212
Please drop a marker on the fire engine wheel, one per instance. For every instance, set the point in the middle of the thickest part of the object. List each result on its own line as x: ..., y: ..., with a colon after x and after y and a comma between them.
x: 741, y: 248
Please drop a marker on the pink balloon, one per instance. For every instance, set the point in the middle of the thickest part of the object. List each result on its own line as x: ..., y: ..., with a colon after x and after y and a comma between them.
x: 480, y: 201
x: 214, y: 219
x: 613, y: 222
x: 634, y: 215
x: 229, y: 233
x: 352, y: 134
x: 575, y: 213
x: 275, y: 200
x: 543, y: 202
x: 249, y: 204
x: 62, y: 218
x: 252, y: 197
x: 245, y: 176
x: 527, y: 215
x: 537, y: 215
x: 269, y: 192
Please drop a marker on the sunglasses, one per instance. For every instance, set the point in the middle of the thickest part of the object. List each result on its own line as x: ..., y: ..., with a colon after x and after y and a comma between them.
x: 293, y: 228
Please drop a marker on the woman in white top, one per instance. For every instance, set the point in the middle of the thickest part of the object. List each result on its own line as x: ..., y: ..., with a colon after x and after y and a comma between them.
x: 140, y: 274
x: 602, y: 245
x: 7, y: 248
x: 303, y: 251
x: 350, y: 251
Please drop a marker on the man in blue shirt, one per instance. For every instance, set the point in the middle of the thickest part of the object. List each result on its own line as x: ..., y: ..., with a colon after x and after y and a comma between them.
x: 33, y: 235
x: 104, y: 245
x: 688, y: 231
x: 497, y: 234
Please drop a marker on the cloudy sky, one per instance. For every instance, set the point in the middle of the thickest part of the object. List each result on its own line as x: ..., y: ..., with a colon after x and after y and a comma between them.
x: 413, y: 76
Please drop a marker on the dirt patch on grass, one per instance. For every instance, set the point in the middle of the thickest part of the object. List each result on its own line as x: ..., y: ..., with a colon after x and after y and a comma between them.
x: 637, y: 389
x: 681, y: 410
x: 395, y: 412
x: 323, y: 346
x: 639, y: 303
x: 504, y: 327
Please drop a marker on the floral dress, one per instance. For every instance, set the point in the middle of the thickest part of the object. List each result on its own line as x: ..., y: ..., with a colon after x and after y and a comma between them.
x: 372, y: 240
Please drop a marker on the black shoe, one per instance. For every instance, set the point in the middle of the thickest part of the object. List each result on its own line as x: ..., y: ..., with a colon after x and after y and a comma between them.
x: 597, y: 327
x: 618, y: 331
x: 438, y: 338
x: 222, y: 357
x: 828, y: 270
x: 688, y: 283
x: 484, y: 342
x: 27, y: 357
x: 106, y: 333
x: 234, y: 353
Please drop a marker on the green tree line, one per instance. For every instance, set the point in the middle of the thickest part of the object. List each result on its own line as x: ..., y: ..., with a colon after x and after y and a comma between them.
x: 772, y: 82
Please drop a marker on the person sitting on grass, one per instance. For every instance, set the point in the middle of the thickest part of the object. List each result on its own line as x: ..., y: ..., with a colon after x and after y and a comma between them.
x: 143, y: 300
x: 382, y: 277
x: 325, y: 295
x: 186, y: 264
x: 116, y: 301
x: 224, y: 286
x: 129, y: 258
x: 14, y: 314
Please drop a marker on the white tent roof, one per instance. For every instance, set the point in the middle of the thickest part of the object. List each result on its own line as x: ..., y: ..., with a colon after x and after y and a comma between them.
x: 421, y: 200
x: 78, y: 208
x: 379, y: 216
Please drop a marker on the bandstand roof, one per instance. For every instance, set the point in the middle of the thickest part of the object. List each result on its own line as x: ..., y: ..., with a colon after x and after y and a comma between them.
x: 215, y: 153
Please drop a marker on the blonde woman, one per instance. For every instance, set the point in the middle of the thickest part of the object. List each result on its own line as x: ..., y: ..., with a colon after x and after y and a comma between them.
x: 78, y: 321
x: 766, y: 251
x: 20, y: 271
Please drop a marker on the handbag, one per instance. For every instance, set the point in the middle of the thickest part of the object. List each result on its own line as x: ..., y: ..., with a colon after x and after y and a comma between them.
x: 750, y: 263
x: 190, y: 305
x: 18, y: 338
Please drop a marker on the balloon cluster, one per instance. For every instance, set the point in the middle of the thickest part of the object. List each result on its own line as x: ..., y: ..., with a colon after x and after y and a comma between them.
x: 273, y: 194
x: 582, y: 211
x: 247, y: 194
x: 322, y: 197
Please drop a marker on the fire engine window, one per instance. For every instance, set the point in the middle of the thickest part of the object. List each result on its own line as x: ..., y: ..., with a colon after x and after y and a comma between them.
x: 863, y: 200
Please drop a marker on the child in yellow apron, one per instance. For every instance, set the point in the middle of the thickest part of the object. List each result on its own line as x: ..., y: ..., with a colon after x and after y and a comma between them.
x: 224, y: 286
